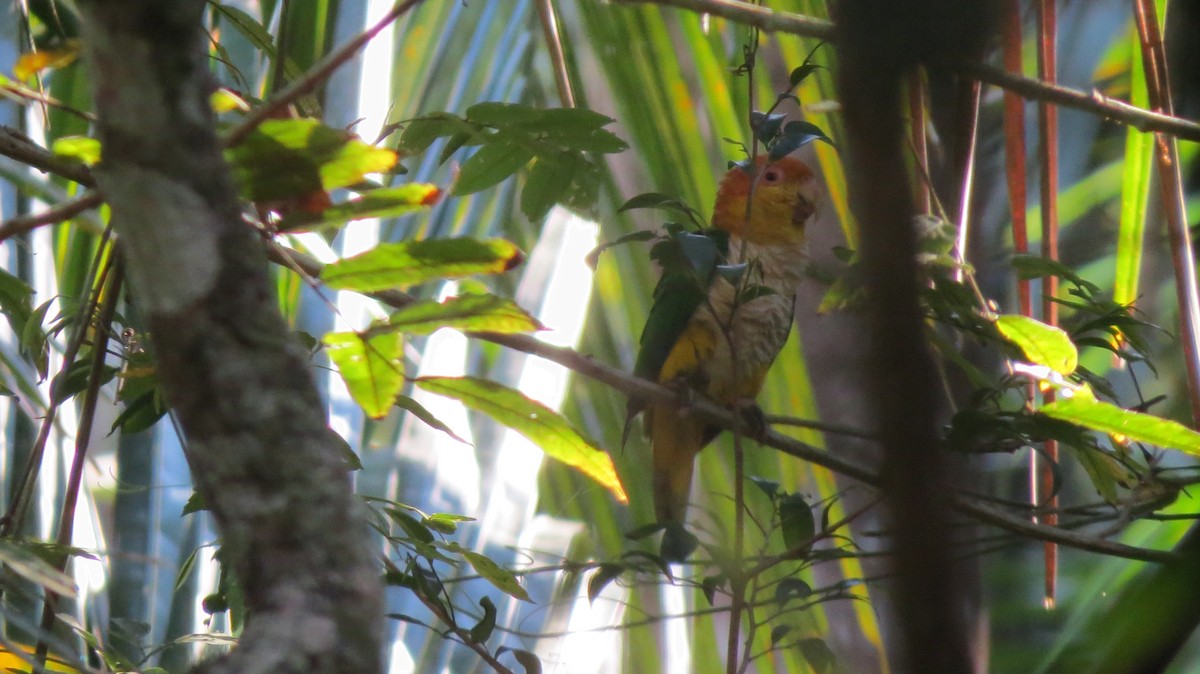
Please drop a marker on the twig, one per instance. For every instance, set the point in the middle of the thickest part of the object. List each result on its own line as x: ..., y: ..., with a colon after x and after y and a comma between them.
x: 53, y: 215
x: 314, y: 76
x: 16, y: 145
x: 795, y: 24
x: 83, y: 437
x: 554, y: 45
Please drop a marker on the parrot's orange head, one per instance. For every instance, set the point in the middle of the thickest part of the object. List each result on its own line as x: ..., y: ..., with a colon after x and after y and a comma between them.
x: 784, y: 199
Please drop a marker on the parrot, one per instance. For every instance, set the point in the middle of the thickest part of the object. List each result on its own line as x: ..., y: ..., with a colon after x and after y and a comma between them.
x: 720, y: 317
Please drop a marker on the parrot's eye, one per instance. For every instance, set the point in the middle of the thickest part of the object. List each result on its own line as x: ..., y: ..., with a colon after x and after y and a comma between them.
x: 772, y: 176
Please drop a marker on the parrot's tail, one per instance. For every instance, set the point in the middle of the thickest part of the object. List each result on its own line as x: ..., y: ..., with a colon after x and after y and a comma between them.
x: 675, y: 440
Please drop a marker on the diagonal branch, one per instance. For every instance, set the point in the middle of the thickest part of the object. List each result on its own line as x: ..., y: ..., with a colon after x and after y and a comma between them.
x: 1095, y: 103
x: 633, y: 386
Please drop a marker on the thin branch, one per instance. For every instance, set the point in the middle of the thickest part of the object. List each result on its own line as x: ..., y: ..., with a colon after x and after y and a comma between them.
x: 314, y: 77
x: 630, y: 385
x: 554, y: 46
x: 1095, y: 103
x: 51, y: 216
x: 18, y: 146
x: 83, y: 438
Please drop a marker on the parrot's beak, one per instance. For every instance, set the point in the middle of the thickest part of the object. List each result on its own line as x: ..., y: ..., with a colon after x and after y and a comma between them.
x: 804, y: 209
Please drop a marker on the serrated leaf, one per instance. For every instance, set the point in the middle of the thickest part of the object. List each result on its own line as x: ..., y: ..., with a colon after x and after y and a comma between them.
x: 1042, y: 344
x: 1084, y: 409
x: 469, y: 313
x: 370, y: 367
x: 502, y: 578
x: 541, y: 425
x: 287, y: 158
x: 392, y: 265
x: 500, y: 157
x: 388, y: 202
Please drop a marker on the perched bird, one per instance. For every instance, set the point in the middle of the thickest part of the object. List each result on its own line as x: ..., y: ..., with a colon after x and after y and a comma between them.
x: 720, y: 318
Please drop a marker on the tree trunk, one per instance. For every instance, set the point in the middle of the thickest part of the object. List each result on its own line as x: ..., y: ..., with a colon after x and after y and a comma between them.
x: 261, y: 455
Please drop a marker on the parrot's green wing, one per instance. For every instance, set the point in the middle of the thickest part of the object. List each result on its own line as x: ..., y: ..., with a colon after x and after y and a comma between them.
x: 689, y: 260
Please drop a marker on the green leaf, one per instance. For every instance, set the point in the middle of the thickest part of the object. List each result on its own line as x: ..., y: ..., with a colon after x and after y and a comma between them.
x: 86, y: 150
x: 486, y: 625
x: 503, y: 579
x: 16, y: 300
x: 541, y: 425
x: 818, y: 655
x: 469, y: 313
x: 497, y: 114
x: 791, y: 588
x: 286, y: 158
x: 445, y: 523
x: 415, y: 529
x: 1084, y: 409
x: 391, y: 265
x: 606, y: 573
x: 797, y: 522
x: 420, y: 133
x: 388, y: 202
x: 549, y: 183
x: 502, y: 156
x: 1042, y: 344
x: 371, y: 368
x: 528, y: 660
x: 418, y: 410
x: 778, y: 632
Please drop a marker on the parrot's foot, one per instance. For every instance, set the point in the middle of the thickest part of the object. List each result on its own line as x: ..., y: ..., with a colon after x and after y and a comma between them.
x: 684, y: 393
x: 754, y: 418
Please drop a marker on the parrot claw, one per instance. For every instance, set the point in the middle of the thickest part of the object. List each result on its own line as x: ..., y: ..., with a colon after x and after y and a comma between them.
x: 754, y: 419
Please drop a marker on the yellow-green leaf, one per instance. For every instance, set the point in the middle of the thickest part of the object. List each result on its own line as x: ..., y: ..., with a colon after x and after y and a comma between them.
x: 501, y: 157
x: 285, y: 158
x: 543, y: 426
x: 1042, y: 344
x: 387, y: 202
x: 1084, y: 409
x: 391, y: 265
x: 497, y: 575
x: 86, y: 150
x: 370, y: 366
x: 476, y: 313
